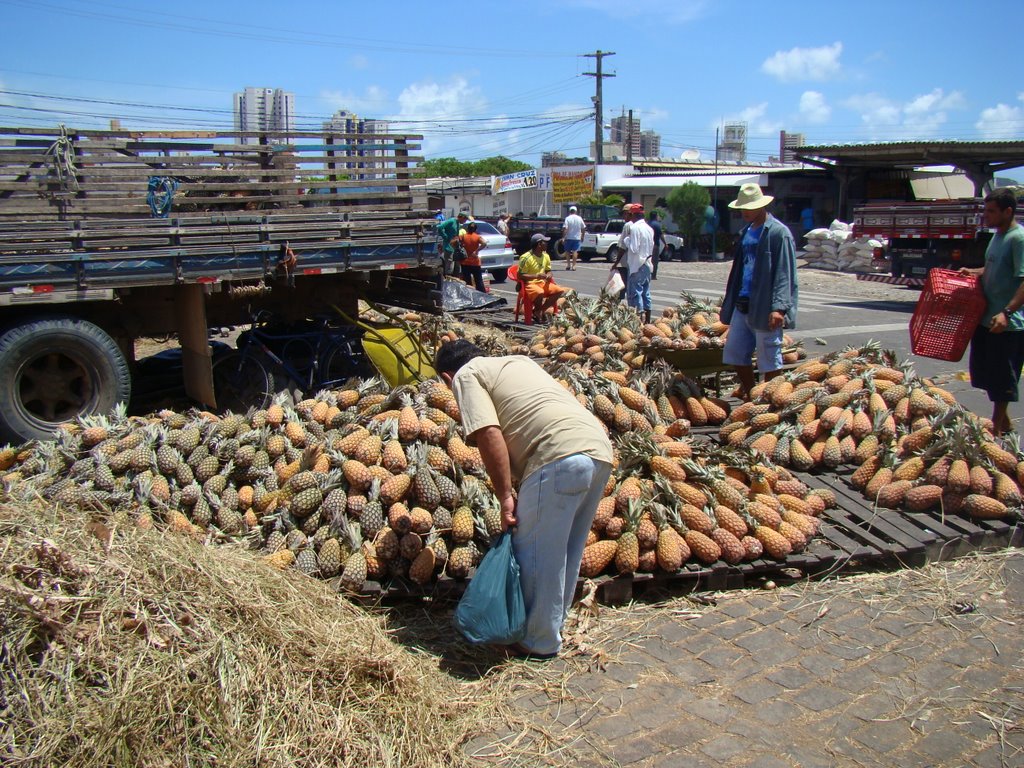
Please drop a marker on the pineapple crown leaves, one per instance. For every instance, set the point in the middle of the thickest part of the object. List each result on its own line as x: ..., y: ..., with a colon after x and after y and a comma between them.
x: 633, y: 514
x: 373, y: 494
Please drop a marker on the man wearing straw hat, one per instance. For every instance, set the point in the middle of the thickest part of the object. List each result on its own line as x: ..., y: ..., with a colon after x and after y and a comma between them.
x: 761, y: 294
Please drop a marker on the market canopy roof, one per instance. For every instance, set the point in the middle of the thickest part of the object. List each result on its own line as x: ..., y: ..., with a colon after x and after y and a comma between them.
x: 980, y: 160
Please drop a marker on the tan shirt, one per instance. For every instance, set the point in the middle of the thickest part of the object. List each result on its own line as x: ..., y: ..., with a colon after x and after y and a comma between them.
x: 540, y: 420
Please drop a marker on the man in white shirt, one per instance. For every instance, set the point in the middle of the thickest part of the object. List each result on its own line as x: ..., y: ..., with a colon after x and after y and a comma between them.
x: 502, y: 224
x: 637, y: 243
x: 572, y: 236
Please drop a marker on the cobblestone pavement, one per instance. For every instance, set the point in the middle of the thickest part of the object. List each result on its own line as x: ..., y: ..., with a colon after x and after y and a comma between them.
x: 917, y: 668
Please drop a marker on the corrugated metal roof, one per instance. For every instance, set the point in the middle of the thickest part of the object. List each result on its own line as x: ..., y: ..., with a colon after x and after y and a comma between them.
x: 670, y: 182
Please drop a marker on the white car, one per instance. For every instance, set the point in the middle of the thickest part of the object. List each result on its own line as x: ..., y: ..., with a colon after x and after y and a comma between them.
x: 497, y: 254
x: 605, y: 243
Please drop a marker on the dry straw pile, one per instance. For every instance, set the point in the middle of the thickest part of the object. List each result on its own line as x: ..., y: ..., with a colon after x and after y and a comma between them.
x: 129, y: 647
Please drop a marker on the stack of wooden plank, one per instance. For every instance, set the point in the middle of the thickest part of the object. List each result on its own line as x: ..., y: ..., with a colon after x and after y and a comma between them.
x: 73, y: 174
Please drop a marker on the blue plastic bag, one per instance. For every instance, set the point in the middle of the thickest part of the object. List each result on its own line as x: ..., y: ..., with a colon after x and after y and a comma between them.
x: 492, y: 609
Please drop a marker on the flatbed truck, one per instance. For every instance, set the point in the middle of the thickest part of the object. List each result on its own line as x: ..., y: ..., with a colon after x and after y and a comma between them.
x: 111, y: 236
x: 926, y: 234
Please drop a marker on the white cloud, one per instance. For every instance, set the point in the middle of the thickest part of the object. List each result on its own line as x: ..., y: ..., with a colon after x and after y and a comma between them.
x: 1003, y: 121
x: 439, y: 101
x: 813, y: 107
x: 372, y: 102
x: 671, y: 11
x: 919, y: 118
x: 804, y: 63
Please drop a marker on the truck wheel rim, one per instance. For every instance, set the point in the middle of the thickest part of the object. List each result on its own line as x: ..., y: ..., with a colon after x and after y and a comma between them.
x: 54, y: 387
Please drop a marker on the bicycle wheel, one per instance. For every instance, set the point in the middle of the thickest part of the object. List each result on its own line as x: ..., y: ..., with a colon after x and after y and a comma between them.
x: 343, y: 362
x: 241, y: 382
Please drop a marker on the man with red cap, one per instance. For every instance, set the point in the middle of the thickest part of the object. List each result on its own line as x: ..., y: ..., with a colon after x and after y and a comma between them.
x: 637, y: 244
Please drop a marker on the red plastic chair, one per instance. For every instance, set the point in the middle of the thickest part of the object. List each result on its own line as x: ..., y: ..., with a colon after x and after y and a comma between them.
x: 513, y: 275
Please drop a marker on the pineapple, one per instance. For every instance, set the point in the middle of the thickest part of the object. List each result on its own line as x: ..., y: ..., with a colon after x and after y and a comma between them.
x: 462, y: 525
x: 597, y: 557
x: 774, y: 543
x: 923, y: 497
x: 460, y: 561
x: 752, y: 547
x: 399, y: 518
x: 702, y: 546
x: 984, y: 508
x: 281, y: 560
x: 422, y: 520
x: 627, y: 553
x: 732, y: 550
x: 892, y: 496
x: 421, y: 570
x: 306, y: 561
x: 353, y: 575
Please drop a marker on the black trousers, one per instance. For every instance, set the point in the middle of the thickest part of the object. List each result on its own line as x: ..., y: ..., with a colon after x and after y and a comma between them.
x: 474, y: 275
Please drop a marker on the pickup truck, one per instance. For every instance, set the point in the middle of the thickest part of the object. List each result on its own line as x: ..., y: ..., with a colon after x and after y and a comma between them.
x: 107, y: 237
x: 605, y: 243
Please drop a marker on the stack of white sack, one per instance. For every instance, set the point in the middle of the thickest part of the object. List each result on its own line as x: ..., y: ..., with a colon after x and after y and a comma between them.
x: 835, y: 249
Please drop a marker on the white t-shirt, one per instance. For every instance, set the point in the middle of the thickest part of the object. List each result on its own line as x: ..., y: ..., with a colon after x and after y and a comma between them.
x: 502, y: 226
x: 574, y: 227
x: 639, y: 242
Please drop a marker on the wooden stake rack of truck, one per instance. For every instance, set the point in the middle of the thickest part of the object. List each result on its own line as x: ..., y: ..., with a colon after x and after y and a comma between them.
x: 110, y: 236
x: 924, y: 234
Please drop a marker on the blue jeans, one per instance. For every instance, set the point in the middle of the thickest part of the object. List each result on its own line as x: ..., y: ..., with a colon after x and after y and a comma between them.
x: 638, y: 289
x: 743, y: 340
x: 555, y: 510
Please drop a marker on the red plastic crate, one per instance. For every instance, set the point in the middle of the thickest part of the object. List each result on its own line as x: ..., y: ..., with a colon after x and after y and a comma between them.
x: 948, y: 312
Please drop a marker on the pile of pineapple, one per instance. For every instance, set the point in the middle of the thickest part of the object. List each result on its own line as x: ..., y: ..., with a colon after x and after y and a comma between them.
x: 672, y: 501
x: 608, y: 335
x: 371, y: 483
x: 355, y: 484
x: 914, y: 446
x: 652, y: 399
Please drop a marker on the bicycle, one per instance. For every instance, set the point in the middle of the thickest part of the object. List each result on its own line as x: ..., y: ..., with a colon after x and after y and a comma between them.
x: 300, y: 359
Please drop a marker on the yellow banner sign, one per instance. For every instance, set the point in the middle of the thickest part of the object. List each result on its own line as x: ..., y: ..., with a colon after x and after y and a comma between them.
x: 570, y: 186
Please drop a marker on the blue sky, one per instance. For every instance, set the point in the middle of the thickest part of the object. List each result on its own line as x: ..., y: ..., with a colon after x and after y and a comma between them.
x: 487, y: 78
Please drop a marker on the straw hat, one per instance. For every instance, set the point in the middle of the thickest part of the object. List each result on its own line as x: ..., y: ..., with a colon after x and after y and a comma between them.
x: 751, y: 198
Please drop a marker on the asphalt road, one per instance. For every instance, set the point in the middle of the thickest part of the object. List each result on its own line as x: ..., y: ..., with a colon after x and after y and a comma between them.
x: 834, y: 308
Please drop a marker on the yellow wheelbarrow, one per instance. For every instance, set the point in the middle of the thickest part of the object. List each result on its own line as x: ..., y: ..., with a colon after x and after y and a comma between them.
x: 396, y: 353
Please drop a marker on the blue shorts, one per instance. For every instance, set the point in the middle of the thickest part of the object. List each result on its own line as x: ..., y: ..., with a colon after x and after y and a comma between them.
x: 743, y: 340
x: 571, y: 246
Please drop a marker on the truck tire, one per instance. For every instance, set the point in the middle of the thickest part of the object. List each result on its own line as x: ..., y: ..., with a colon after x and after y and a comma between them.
x: 242, y: 381
x: 557, y: 248
x: 56, y: 369
x: 612, y: 254
x: 669, y: 253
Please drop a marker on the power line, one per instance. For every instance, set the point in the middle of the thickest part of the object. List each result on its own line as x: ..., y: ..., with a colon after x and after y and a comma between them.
x: 270, y: 34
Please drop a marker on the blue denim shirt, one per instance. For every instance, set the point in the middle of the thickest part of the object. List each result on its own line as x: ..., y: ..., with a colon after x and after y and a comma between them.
x: 773, y: 284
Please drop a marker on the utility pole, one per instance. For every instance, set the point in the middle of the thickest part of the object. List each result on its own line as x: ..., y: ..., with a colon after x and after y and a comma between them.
x: 629, y: 139
x: 598, y: 55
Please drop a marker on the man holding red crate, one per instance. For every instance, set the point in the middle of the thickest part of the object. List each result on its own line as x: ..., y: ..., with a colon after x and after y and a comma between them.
x: 997, y: 348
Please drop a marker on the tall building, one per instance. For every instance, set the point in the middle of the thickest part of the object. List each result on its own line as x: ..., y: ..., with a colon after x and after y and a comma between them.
x: 264, y: 109
x: 624, y: 134
x: 788, y: 143
x: 650, y: 144
x: 344, y: 121
x: 733, y: 145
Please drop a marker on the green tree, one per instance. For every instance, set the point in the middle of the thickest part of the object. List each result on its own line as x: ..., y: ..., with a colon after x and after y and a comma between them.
x: 688, y: 204
x: 450, y: 167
